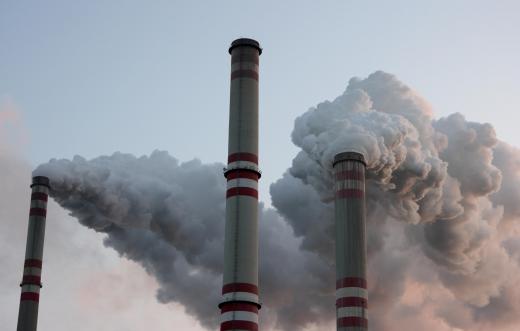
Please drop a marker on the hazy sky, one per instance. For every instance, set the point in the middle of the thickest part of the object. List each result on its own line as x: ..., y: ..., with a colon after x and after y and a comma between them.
x: 95, y: 77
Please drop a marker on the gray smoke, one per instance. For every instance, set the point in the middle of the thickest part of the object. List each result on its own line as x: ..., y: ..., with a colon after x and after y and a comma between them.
x: 169, y: 217
x: 441, y: 216
x: 442, y: 199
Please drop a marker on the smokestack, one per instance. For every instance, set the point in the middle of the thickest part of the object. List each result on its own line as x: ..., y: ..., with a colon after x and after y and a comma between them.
x: 351, y: 284
x: 31, y: 281
x: 240, y: 304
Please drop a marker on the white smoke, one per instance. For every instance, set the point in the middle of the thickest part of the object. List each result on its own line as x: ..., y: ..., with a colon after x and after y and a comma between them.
x: 442, y: 218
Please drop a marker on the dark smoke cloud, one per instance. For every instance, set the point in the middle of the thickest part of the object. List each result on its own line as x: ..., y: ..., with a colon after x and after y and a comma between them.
x: 442, y: 217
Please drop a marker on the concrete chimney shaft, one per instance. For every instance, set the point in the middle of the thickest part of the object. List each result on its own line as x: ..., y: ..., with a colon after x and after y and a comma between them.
x: 31, y: 281
x: 240, y: 303
x: 351, y: 284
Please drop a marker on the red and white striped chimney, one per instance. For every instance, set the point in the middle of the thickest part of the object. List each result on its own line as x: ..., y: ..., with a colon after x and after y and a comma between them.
x: 240, y: 303
x: 31, y: 281
x: 351, y: 284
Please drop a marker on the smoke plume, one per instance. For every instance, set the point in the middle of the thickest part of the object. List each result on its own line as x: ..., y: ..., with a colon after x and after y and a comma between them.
x: 442, y: 203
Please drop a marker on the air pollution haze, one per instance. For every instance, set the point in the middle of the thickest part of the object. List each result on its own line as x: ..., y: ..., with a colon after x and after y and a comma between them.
x: 442, y: 217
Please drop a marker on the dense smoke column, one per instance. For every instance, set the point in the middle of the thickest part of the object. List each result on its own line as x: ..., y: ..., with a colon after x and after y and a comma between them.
x: 31, y: 281
x: 240, y: 304
x: 351, y: 284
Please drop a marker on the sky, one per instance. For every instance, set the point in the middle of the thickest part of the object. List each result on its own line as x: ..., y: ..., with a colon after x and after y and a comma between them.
x: 98, y: 77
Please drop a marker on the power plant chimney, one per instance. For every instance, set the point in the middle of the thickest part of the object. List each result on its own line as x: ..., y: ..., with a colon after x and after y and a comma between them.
x: 351, y: 284
x: 31, y: 281
x: 240, y: 304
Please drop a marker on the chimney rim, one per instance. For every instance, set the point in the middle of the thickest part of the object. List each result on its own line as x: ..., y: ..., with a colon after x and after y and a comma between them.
x: 245, y: 42
x: 41, y: 180
x: 349, y: 156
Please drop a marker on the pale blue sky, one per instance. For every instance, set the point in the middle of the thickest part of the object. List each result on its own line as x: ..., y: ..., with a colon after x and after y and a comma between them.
x: 94, y: 77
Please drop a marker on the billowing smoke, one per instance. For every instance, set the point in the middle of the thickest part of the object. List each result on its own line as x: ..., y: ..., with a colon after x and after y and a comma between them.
x: 169, y: 217
x: 442, y: 202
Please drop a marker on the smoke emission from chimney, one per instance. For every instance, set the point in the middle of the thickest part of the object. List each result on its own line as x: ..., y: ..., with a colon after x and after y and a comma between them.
x: 442, y: 217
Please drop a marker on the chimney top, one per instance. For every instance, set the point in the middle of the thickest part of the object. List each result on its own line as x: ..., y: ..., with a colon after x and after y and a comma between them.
x: 349, y: 156
x: 245, y: 42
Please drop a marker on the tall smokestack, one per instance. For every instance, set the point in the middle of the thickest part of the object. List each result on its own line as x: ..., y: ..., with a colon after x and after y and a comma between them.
x: 351, y: 284
x: 31, y: 281
x: 240, y: 304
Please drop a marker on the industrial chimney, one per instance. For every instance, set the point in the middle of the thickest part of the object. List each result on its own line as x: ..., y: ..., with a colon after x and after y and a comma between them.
x: 351, y: 284
x: 31, y: 281
x: 240, y: 304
